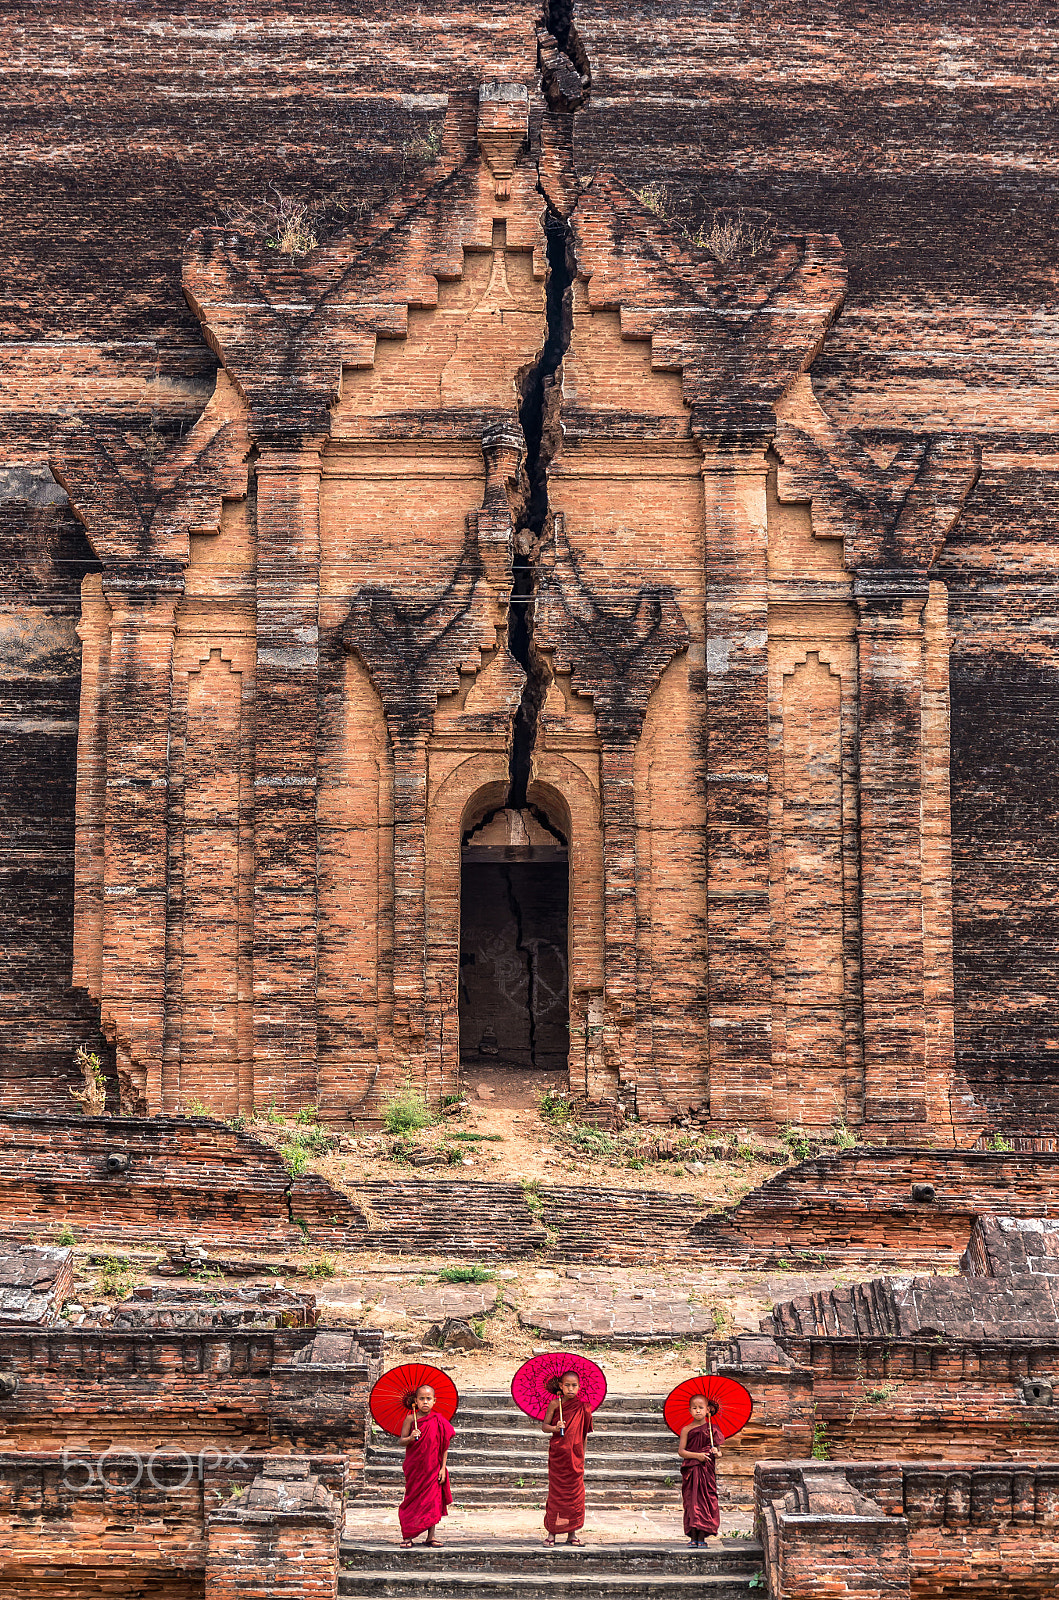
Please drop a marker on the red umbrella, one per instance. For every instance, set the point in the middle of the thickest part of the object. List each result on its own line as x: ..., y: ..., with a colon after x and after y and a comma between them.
x: 528, y: 1385
x: 392, y: 1390
x: 734, y: 1402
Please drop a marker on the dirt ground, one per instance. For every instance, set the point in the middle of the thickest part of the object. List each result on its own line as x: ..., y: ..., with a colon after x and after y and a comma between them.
x: 499, y: 1135
x: 349, y: 1287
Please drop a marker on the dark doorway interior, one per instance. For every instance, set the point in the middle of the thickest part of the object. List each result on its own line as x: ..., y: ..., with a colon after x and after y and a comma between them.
x: 514, y: 893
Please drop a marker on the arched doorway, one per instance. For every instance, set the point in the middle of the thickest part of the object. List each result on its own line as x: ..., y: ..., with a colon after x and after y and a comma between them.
x: 514, y: 995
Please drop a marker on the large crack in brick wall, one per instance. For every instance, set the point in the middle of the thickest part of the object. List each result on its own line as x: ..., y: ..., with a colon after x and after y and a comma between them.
x: 565, y: 83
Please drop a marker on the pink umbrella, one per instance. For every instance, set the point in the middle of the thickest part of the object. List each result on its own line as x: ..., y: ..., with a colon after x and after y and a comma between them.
x: 528, y: 1385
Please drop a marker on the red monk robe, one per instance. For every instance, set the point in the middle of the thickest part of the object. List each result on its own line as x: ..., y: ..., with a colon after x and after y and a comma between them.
x: 565, y: 1508
x: 426, y: 1500
x: 698, y: 1483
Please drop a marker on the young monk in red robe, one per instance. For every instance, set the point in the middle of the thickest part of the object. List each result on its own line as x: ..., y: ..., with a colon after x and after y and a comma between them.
x: 426, y: 1436
x: 698, y: 1447
x: 568, y: 1420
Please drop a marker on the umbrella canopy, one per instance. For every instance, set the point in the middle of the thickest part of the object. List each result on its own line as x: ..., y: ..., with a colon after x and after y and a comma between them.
x: 734, y: 1402
x: 388, y: 1396
x: 527, y: 1386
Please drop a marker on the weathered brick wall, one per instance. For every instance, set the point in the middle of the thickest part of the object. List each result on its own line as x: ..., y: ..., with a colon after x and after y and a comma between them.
x: 916, y: 144
x: 139, y: 1528
x: 917, y: 138
x: 864, y: 1198
x: 194, y: 1389
x: 184, y: 1178
x: 279, y: 1537
x: 899, y: 1528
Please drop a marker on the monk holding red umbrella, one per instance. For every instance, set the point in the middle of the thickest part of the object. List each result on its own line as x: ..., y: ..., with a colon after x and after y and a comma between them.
x: 704, y: 1411
x: 415, y: 1402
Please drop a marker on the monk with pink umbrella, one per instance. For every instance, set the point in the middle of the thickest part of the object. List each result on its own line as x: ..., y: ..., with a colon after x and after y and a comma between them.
x: 562, y: 1391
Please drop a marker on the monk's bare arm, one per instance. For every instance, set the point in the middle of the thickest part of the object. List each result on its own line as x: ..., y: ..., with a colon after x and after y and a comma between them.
x: 406, y: 1429
x: 549, y: 1425
x: 444, y: 1467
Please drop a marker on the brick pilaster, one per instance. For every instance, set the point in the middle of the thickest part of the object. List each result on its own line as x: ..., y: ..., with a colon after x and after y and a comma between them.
x: 143, y: 601
x: 737, y: 839
x: 285, y: 772
x: 891, y: 657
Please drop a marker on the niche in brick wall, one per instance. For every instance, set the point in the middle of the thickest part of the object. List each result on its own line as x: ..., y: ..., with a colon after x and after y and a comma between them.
x: 514, y: 916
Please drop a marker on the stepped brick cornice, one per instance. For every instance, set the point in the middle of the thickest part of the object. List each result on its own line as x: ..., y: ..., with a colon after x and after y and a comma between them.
x: 739, y: 333
x: 138, y: 500
x: 285, y: 326
x: 892, y: 516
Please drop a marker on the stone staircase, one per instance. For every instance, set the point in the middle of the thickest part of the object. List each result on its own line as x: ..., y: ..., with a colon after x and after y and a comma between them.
x: 500, y: 1456
x: 421, y: 1216
x: 531, y: 1571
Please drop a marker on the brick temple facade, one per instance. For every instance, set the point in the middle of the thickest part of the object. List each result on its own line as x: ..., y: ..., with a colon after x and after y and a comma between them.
x: 503, y: 654
x: 675, y: 635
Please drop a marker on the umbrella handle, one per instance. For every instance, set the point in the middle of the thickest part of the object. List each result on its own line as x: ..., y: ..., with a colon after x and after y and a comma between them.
x: 415, y: 1420
x: 562, y: 1426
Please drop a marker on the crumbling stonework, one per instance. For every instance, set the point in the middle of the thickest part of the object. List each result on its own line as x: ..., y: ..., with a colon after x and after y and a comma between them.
x: 895, y: 1529
x: 160, y: 1535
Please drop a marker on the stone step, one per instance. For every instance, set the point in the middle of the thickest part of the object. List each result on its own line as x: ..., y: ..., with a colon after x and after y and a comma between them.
x: 527, y: 1488
x: 615, y: 1404
x: 497, y: 1440
x: 627, y: 1463
x: 531, y: 1571
x: 527, y: 1557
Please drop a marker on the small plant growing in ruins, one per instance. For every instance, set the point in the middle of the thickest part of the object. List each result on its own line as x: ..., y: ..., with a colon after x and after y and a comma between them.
x: 998, y: 1142
x: 797, y: 1142
x: 322, y: 1267
x: 758, y: 1581
x: 92, y: 1095
x: 593, y: 1141
x: 422, y: 152
x: 406, y: 1111
x: 731, y: 238
x: 290, y: 224
x: 116, y: 1277
x: 842, y: 1136
x: 195, y: 1108
x: 821, y: 1449
x: 300, y: 1144
x: 555, y: 1107
x: 472, y: 1274
x: 653, y: 198
x: 532, y: 1197
x: 882, y: 1392
x: 65, y: 1235
x: 308, y: 1115
x: 295, y: 1156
